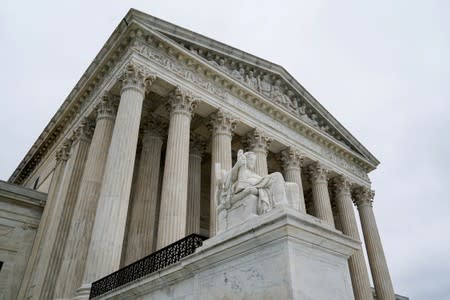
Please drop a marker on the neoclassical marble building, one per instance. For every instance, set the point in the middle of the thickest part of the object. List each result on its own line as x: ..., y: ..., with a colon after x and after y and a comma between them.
x: 128, y: 160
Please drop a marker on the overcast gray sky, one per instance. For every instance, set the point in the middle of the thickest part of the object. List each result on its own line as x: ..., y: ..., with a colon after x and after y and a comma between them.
x: 381, y: 68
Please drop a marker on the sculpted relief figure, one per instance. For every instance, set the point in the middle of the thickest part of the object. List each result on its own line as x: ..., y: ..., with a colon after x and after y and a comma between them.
x: 242, y: 193
x: 264, y: 85
x: 293, y: 101
x: 314, y: 120
x: 302, y: 109
x: 223, y: 66
x: 251, y: 80
x: 220, y: 65
x: 238, y: 74
x: 278, y: 96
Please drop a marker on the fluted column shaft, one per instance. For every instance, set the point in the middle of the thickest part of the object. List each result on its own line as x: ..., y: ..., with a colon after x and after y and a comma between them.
x: 196, y: 149
x: 222, y: 125
x: 79, y: 236
x: 107, y: 237
x: 56, y: 236
x: 292, y: 161
x: 142, y: 223
x: 172, y: 218
x: 62, y: 155
x: 321, y: 197
x: 375, y: 253
x: 356, y: 262
x: 258, y: 142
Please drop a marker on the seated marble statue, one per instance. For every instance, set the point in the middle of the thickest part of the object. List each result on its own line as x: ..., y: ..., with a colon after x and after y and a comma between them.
x: 241, y: 184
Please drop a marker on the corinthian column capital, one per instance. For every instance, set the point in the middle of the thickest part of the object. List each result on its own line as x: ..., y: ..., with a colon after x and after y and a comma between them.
x: 155, y: 126
x: 318, y: 173
x: 342, y: 185
x: 62, y: 154
x: 105, y: 108
x: 83, y: 132
x: 181, y: 101
x: 137, y: 78
x: 291, y: 159
x: 197, y: 144
x: 257, y: 141
x: 363, y: 196
x: 222, y: 122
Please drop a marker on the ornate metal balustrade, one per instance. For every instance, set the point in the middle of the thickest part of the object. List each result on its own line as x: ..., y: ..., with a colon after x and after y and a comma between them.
x: 149, y: 264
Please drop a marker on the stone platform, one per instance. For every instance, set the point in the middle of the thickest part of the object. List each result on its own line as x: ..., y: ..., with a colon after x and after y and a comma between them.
x: 283, y: 254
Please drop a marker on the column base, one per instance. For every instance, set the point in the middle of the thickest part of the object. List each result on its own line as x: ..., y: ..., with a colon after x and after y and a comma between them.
x: 283, y: 254
x: 83, y: 292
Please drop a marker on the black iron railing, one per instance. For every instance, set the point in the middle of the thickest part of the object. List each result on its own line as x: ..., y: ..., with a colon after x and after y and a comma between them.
x: 149, y: 264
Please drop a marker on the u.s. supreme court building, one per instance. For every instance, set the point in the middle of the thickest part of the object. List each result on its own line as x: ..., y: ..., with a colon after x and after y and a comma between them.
x: 182, y: 168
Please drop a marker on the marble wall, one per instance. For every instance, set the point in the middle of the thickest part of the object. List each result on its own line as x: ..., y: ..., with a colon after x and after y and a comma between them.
x: 20, y: 213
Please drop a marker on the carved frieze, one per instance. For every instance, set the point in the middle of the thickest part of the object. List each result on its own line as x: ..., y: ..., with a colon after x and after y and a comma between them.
x: 340, y: 161
x: 170, y: 63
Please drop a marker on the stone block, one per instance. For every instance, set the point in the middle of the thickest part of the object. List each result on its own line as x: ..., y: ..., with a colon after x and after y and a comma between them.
x: 282, y: 254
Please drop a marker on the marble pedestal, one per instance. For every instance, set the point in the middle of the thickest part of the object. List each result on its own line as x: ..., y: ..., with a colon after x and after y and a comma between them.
x: 283, y: 254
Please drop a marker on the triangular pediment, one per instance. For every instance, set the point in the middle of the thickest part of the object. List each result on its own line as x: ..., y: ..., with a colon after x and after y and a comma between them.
x: 269, y: 80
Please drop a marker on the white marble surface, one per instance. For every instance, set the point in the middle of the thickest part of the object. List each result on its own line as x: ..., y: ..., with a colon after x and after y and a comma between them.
x: 20, y: 213
x: 280, y: 255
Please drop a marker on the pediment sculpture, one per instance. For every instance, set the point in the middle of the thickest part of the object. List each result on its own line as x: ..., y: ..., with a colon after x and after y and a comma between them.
x: 243, y: 194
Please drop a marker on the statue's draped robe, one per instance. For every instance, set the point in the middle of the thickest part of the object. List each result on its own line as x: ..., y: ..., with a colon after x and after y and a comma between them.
x: 271, y: 189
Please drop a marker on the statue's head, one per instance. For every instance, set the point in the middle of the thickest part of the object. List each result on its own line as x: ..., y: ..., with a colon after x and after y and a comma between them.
x: 251, y: 160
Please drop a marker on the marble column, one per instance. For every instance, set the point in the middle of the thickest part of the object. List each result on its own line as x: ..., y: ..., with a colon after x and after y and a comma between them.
x: 384, y: 290
x: 321, y: 197
x: 142, y: 217
x: 107, y: 238
x: 56, y: 236
x: 356, y: 262
x: 172, y: 216
x: 62, y: 155
x: 79, y: 236
x: 292, y: 162
x: 221, y: 125
x: 258, y: 142
x: 196, y: 149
